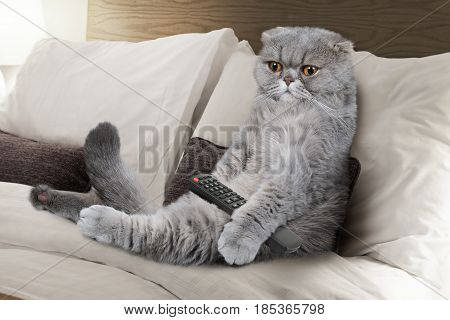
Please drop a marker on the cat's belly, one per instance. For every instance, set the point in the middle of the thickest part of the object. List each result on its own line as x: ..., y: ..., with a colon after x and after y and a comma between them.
x: 273, y: 153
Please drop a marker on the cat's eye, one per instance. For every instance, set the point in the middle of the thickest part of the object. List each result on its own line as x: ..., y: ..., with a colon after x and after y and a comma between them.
x: 274, y: 66
x: 309, y: 70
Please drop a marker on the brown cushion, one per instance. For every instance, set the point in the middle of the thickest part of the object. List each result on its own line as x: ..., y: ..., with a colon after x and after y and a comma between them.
x: 200, y: 156
x: 29, y: 162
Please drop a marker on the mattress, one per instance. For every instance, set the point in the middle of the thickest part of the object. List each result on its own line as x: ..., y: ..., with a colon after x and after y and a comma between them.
x: 43, y: 256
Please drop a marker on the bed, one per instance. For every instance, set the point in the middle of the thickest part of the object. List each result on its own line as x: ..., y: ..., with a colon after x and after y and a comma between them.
x: 45, y: 257
x: 101, y: 272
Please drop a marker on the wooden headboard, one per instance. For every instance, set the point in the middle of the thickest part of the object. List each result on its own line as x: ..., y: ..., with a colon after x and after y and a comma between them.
x: 400, y: 28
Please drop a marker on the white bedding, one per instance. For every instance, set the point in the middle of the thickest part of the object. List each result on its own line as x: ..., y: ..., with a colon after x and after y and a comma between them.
x: 135, y: 86
x: 398, y: 214
x: 33, y: 257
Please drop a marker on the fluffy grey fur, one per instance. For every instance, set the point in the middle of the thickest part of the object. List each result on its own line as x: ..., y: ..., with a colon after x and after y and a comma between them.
x: 290, y: 162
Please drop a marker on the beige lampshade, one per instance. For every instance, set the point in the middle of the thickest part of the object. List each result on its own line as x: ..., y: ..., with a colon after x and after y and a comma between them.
x: 21, y: 25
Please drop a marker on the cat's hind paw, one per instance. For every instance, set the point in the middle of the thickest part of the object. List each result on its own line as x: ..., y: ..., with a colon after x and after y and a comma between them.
x: 100, y: 223
x: 40, y: 196
x: 102, y: 141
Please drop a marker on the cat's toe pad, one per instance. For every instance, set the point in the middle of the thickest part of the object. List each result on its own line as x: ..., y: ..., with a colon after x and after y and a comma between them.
x: 42, y: 197
x: 39, y: 196
x: 99, y: 223
x: 235, y: 246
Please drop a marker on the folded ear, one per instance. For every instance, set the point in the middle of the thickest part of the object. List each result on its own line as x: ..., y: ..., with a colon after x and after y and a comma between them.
x: 343, y: 46
x: 269, y: 34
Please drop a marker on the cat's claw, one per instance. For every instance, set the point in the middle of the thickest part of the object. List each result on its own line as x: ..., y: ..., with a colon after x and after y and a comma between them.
x: 100, y: 223
x: 235, y: 245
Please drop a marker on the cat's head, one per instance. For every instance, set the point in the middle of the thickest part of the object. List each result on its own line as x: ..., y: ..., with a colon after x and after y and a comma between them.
x: 297, y: 61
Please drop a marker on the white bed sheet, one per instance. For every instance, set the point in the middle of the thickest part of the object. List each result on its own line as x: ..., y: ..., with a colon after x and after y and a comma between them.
x: 32, y: 242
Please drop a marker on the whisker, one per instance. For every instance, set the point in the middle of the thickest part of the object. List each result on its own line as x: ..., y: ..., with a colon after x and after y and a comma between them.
x: 308, y: 96
x: 334, y: 112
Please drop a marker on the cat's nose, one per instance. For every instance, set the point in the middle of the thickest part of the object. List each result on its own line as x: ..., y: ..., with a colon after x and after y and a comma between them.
x: 288, y: 80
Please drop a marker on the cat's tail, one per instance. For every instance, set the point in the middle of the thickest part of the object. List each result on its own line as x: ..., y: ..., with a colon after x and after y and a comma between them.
x: 113, y: 182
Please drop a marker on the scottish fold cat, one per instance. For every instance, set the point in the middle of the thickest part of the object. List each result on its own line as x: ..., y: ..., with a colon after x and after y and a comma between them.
x: 290, y: 161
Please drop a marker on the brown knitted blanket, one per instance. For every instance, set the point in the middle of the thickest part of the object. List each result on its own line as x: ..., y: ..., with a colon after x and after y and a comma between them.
x: 29, y: 162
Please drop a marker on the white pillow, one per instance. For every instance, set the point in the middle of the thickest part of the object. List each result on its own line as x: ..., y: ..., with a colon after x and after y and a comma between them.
x: 401, y: 204
x: 66, y: 89
x: 231, y: 101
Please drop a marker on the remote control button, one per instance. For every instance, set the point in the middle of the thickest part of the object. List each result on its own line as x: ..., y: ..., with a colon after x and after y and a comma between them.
x: 241, y: 202
x: 221, y: 191
x: 206, y: 186
x: 229, y: 194
x: 196, y: 179
x: 223, y: 196
x: 214, y: 189
x: 229, y: 201
x: 235, y: 205
x: 201, y: 183
x: 235, y: 199
x: 234, y: 194
x: 215, y: 183
x: 217, y: 193
x: 220, y: 187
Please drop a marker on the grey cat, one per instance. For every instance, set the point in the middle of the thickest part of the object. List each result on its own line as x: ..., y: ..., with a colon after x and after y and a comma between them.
x: 290, y: 161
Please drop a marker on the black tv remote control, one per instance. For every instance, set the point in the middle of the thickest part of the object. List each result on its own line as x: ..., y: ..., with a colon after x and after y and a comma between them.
x: 283, y: 240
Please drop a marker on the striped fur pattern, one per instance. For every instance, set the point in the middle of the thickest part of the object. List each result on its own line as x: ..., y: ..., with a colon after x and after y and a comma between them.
x: 289, y: 161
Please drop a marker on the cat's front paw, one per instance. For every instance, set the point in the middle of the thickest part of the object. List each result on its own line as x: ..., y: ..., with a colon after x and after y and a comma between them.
x: 100, y: 223
x: 236, y: 245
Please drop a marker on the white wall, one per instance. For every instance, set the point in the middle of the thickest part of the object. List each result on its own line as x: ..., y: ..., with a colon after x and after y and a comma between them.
x: 66, y: 19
